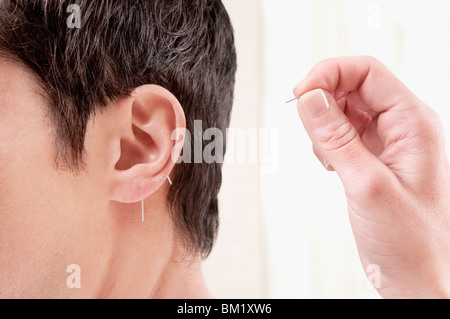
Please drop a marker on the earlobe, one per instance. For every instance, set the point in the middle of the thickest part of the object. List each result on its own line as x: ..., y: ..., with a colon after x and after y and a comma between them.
x: 146, y: 146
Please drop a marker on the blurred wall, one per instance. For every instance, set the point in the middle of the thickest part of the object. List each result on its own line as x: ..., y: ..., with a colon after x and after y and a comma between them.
x: 285, y: 232
x: 237, y: 267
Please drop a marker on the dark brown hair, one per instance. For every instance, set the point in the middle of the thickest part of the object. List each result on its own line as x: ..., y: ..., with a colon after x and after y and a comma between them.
x: 186, y: 46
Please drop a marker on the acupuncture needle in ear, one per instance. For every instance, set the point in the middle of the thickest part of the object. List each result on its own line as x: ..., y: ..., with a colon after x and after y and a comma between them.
x: 142, y: 207
x: 157, y: 180
x: 294, y: 99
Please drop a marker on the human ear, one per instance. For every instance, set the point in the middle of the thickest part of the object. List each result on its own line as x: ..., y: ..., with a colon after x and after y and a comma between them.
x: 147, y: 120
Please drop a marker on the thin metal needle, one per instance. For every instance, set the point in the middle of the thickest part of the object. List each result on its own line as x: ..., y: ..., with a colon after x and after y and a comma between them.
x: 142, y: 205
x: 143, y: 215
x: 168, y: 178
x: 295, y: 99
x: 157, y: 180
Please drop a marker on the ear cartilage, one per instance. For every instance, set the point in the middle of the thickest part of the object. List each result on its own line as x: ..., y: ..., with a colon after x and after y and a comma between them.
x: 295, y: 99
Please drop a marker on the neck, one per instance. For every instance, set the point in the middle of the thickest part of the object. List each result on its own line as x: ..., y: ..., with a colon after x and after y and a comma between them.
x: 147, y: 260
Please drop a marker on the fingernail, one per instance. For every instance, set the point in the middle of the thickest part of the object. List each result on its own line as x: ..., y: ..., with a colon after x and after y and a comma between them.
x: 315, y: 104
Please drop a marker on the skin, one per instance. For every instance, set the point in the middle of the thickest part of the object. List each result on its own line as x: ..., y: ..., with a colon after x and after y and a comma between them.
x: 388, y: 149
x: 51, y: 218
x: 386, y: 145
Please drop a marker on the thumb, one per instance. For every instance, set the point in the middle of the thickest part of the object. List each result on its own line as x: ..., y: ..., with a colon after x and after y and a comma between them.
x: 337, y: 140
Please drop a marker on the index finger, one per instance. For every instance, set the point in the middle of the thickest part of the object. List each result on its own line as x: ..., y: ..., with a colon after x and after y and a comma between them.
x: 377, y: 87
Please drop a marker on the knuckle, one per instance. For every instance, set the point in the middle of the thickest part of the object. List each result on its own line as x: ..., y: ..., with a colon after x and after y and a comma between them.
x: 324, y: 65
x: 322, y: 72
x: 337, y: 137
x: 372, y: 60
x: 428, y: 125
x: 436, y: 124
x: 372, y: 187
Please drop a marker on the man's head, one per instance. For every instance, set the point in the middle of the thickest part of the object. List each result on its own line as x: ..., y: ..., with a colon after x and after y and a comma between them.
x: 87, y: 115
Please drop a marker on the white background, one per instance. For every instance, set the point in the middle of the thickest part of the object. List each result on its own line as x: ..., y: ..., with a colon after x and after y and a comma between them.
x: 285, y: 234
